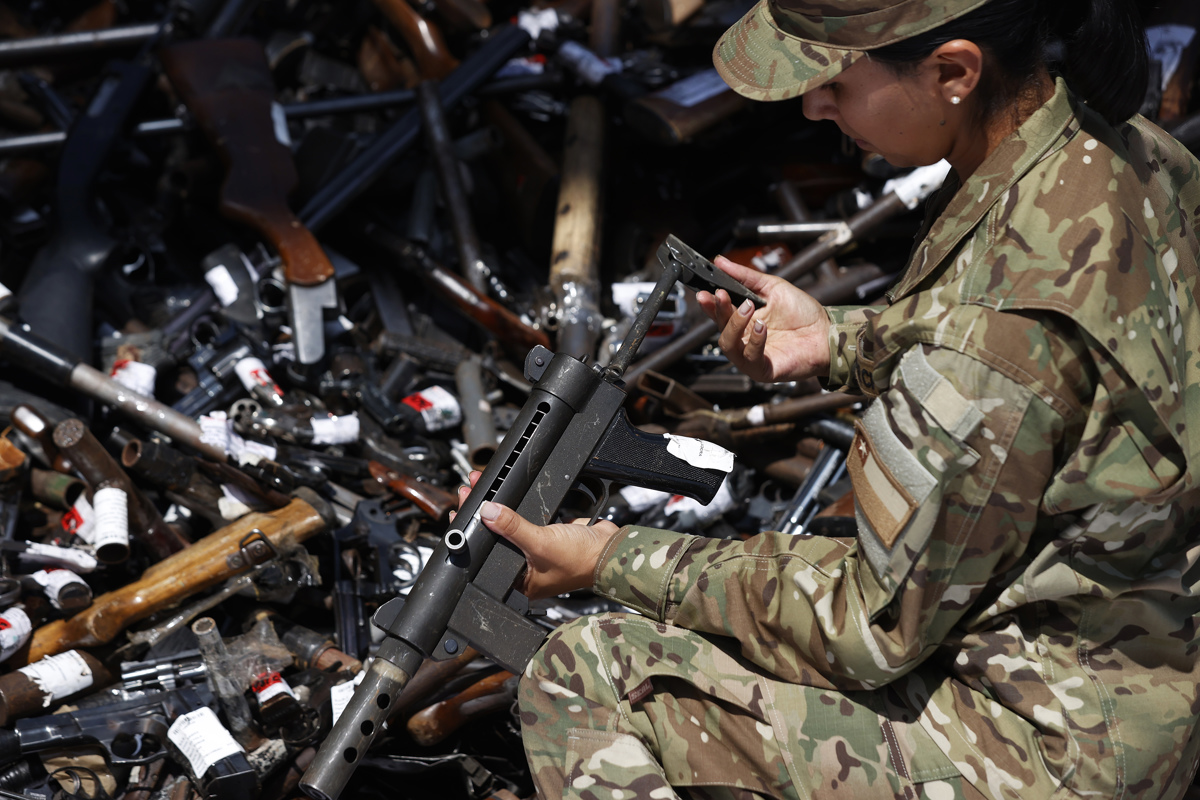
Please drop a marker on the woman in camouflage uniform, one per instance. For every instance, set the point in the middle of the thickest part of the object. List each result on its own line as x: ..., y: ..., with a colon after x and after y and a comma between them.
x: 1017, y: 614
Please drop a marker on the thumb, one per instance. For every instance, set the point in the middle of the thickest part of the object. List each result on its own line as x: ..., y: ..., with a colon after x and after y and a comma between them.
x: 503, y: 521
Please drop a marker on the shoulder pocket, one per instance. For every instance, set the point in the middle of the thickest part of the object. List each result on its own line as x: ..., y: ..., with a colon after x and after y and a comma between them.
x: 907, y: 448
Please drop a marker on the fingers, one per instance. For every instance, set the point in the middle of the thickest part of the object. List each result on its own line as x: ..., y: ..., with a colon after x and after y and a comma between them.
x: 756, y: 343
x: 505, y: 522
x: 734, y: 328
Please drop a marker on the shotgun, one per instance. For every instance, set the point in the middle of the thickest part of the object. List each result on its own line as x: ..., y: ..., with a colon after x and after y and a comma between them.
x: 227, y: 85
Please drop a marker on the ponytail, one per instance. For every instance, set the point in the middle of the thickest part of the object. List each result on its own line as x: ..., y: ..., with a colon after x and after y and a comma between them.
x: 1098, y: 46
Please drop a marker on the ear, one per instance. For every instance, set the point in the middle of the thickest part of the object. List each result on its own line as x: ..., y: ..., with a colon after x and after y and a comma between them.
x: 958, y: 64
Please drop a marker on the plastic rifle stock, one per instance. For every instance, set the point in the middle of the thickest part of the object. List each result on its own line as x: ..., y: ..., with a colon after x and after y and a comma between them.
x: 572, y: 427
x: 227, y: 85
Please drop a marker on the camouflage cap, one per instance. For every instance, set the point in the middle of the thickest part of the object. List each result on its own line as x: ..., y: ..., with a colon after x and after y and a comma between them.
x: 783, y: 48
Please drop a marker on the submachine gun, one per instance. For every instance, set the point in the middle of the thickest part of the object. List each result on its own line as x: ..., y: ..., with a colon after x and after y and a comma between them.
x: 572, y: 427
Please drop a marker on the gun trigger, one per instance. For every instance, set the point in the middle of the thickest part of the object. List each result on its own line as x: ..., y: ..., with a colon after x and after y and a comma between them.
x: 602, y: 502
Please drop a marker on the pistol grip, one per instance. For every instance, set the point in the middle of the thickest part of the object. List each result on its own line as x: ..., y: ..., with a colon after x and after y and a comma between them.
x: 630, y: 455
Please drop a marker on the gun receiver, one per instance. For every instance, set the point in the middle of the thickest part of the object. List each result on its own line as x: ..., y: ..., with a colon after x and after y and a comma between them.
x: 572, y: 426
x: 227, y: 86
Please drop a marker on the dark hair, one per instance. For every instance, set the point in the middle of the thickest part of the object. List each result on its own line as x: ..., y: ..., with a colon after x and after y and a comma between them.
x: 1098, y: 46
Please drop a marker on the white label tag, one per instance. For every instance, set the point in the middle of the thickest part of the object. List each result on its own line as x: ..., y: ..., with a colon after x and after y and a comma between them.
x: 15, y: 628
x: 59, y: 676
x: 279, y: 117
x: 253, y: 372
x: 135, y: 375
x: 112, y: 517
x: 340, y: 696
x: 53, y: 580
x: 699, y: 453
x: 722, y: 501
x: 640, y: 498
x: 534, y: 22
x: 695, y: 89
x: 81, y: 519
x: 270, y: 684
x: 217, y: 429
x: 1167, y: 43
x: 72, y: 558
x: 202, y: 739
x: 222, y: 284
x: 438, y: 408
x: 335, y: 430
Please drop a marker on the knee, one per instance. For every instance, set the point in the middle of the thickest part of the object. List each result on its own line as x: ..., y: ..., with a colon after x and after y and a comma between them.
x: 561, y: 663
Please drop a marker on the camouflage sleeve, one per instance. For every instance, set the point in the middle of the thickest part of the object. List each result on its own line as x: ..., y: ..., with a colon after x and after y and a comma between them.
x: 948, y: 468
x: 845, y: 323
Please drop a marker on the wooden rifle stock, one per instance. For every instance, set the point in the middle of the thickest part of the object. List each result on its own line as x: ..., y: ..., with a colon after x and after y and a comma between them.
x: 478, y: 308
x: 422, y: 37
x: 433, y: 500
x: 212, y: 560
x: 227, y: 85
x: 488, y: 695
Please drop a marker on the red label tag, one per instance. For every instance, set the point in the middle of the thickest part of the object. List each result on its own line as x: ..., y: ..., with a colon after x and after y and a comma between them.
x: 72, y: 520
x: 117, y: 365
x: 265, y: 681
x: 4, y: 624
x: 417, y: 402
x: 640, y: 691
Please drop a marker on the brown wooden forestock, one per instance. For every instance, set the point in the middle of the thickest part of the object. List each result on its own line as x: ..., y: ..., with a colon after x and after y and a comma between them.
x: 433, y: 500
x: 208, y: 562
x: 488, y: 695
x: 433, y: 58
x: 226, y: 84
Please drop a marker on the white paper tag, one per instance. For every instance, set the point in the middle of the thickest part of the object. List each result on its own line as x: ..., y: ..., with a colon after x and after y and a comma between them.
x: 15, y: 628
x: 223, y: 285
x: 112, y: 517
x: 202, y: 739
x: 438, y: 408
x: 534, y: 22
x: 279, y: 117
x: 80, y: 520
x: 231, y: 505
x: 335, y: 430
x: 253, y: 372
x: 59, y: 676
x: 53, y: 581
x: 757, y: 415
x: 722, y: 501
x: 71, y: 558
x: 340, y: 696
x: 769, y: 259
x: 135, y: 375
x: 699, y: 453
x: 268, y: 685
x: 640, y: 498
x: 217, y: 429
x: 695, y: 89
x: 1167, y: 43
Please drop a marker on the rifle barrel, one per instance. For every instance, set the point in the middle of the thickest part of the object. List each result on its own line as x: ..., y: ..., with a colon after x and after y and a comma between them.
x: 37, y: 49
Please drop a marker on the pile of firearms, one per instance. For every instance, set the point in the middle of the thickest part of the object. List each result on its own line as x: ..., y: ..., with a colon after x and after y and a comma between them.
x: 283, y: 273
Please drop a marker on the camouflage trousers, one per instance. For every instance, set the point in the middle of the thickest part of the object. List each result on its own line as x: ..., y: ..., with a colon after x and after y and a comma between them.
x: 619, y: 707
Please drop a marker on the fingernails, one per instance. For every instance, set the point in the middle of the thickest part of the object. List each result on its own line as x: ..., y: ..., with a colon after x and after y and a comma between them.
x: 489, y: 510
x: 745, y: 308
x: 758, y: 326
x: 453, y: 514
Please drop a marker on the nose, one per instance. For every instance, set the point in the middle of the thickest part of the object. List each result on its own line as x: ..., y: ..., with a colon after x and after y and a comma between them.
x: 819, y: 105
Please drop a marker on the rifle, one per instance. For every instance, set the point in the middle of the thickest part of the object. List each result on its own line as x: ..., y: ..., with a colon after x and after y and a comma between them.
x: 432, y: 724
x: 222, y: 554
x: 573, y: 426
x: 424, y: 40
x: 227, y: 85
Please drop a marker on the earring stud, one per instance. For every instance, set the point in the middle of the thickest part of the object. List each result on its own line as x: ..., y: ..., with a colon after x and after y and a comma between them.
x: 955, y: 100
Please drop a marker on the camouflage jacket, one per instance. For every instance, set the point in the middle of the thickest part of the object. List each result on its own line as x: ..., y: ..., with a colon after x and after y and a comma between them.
x: 1025, y: 481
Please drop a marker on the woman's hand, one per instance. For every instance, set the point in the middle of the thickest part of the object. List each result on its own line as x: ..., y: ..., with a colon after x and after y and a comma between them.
x: 559, y: 558
x: 788, y: 339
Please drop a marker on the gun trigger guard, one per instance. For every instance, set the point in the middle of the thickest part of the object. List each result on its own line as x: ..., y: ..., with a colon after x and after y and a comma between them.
x: 253, y: 549
x: 602, y: 502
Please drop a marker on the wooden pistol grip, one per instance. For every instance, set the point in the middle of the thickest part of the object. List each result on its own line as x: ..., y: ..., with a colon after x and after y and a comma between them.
x: 433, y: 724
x: 428, y: 47
x: 502, y: 323
x: 201, y: 566
x: 227, y: 85
x: 433, y: 500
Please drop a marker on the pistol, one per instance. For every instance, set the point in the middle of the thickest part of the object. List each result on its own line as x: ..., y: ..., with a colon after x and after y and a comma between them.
x: 572, y: 427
